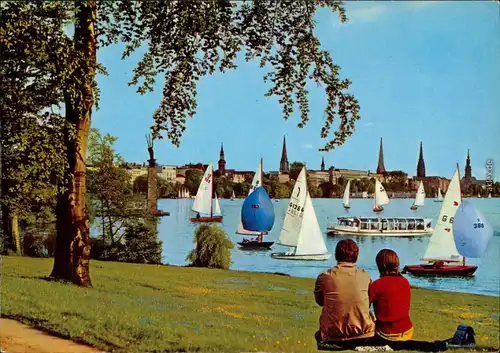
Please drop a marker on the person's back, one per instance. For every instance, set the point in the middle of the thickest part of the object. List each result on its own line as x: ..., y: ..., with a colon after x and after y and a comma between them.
x: 342, y: 291
x: 391, y: 297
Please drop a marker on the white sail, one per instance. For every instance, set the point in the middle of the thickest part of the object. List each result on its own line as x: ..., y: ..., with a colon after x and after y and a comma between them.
x: 310, y: 239
x: 203, y: 200
x: 347, y: 193
x: 217, y: 206
x: 233, y: 196
x: 471, y: 231
x: 187, y: 193
x: 256, y: 182
x: 420, y: 197
x: 179, y: 194
x: 489, y: 195
x: 381, y: 197
x: 292, y: 223
x: 442, y: 244
x: 440, y: 196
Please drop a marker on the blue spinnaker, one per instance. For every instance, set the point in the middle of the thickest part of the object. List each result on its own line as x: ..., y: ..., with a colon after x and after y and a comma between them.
x: 257, y: 212
x: 471, y: 231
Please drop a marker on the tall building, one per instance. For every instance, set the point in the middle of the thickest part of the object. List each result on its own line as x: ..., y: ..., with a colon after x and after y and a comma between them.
x: 421, y: 163
x: 284, y: 158
x: 468, y: 168
x: 467, y: 179
x: 380, y: 167
x: 322, y: 163
x: 222, y: 161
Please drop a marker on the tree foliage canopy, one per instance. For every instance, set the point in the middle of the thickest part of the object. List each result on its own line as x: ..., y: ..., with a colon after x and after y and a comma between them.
x: 187, y: 40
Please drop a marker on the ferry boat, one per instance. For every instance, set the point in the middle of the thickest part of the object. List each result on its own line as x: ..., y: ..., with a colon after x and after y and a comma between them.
x: 379, y: 226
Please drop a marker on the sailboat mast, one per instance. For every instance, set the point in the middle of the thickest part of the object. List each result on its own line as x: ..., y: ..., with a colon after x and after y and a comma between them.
x: 262, y: 171
x: 461, y: 199
x: 211, y: 189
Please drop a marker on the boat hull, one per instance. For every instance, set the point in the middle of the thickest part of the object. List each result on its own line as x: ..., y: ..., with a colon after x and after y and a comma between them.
x: 317, y: 257
x: 431, y: 270
x: 256, y: 245
x: 206, y: 219
x: 333, y: 231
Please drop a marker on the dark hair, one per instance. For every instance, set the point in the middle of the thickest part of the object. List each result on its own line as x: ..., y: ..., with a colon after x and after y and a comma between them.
x: 387, y: 262
x: 346, y: 251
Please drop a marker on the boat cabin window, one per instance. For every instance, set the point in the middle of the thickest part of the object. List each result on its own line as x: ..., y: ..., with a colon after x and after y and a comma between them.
x: 374, y: 225
x: 364, y: 225
x: 384, y: 224
x: 402, y: 225
x: 390, y: 224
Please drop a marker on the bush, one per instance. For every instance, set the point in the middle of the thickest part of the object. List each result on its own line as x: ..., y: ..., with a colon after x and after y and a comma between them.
x: 39, y: 242
x: 141, y: 245
x: 212, y: 248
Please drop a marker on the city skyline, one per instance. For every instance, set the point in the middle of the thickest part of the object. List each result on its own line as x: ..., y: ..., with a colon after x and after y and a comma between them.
x: 450, y: 72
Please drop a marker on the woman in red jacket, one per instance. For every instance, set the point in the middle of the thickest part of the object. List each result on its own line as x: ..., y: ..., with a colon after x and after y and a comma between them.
x: 391, y: 297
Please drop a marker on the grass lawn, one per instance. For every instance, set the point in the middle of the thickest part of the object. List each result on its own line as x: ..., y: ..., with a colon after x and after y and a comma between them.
x: 146, y: 308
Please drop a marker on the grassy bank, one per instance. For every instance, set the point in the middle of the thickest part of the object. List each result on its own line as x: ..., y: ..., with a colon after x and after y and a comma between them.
x: 144, y: 308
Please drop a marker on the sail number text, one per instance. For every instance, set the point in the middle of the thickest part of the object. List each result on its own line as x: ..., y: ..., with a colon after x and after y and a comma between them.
x: 478, y: 225
x: 295, y: 209
x: 445, y: 217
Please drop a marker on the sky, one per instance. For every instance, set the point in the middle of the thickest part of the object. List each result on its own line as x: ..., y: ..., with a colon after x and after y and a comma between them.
x: 422, y: 71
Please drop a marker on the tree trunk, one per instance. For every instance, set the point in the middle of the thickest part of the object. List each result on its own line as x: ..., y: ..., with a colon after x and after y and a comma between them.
x: 15, y: 234
x: 72, y: 255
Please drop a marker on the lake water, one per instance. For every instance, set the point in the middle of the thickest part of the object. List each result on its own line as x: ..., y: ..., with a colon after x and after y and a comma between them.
x: 177, y: 231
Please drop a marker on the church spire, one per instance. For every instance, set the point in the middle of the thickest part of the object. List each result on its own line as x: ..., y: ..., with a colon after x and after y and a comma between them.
x: 284, y: 158
x: 421, y: 163
x: 221, y: 154
x: 380, y: 167
x: 468, y: 168
x: 222, y: 161
x: 323, y: 163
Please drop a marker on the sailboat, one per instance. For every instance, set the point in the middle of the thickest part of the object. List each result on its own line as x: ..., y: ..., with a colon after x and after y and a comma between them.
x: 419, y: 197
x: 439, y: 196
x: 233, y: 196
x: 301, y: 231
x: 380, y: 197
x: 489, y: 195
x: 257, y: 214
x: 203, y: 202
x: 442, y: 248
x: 471, y: 230
x: 347, y: 193
x: 257, y: 242
x: 179, y: 194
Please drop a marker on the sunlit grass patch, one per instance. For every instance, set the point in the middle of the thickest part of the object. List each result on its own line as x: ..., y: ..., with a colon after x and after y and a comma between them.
x: 144, y: 308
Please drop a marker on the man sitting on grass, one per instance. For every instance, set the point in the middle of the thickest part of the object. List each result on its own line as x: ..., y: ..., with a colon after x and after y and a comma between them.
x: 342, y: 291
